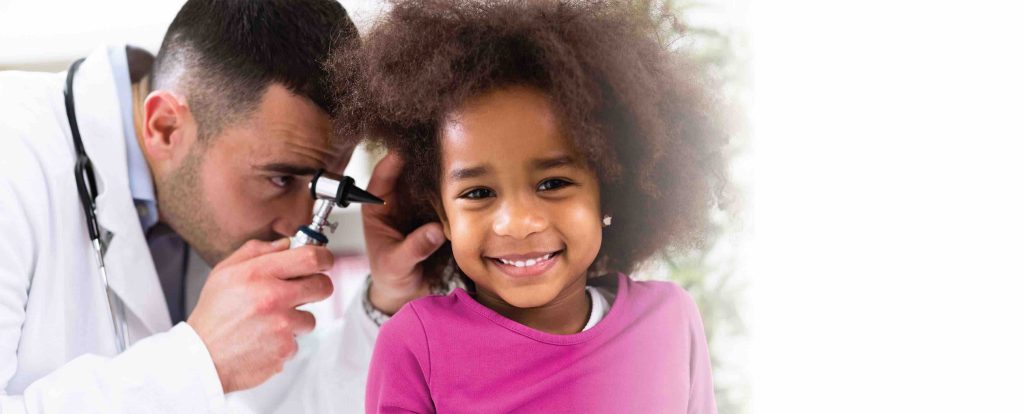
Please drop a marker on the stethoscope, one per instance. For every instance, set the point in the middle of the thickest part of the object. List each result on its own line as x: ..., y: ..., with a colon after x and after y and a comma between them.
x: 85, y: 179
x: 327, y: 189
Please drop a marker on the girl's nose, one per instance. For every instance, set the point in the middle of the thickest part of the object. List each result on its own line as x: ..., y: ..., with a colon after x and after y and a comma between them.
x: 519, y: 218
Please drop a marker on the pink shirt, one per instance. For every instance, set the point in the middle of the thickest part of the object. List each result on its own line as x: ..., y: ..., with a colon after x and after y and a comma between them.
x: 451, y: 354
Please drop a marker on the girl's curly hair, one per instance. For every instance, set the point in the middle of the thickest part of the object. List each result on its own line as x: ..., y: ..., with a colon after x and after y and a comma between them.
x: 639, y: 112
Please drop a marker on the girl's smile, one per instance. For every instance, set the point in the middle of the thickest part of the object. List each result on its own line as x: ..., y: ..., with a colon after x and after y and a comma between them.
x: 523, y: 265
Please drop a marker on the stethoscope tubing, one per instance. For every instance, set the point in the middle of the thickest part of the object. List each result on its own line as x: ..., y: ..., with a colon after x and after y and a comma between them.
x: 85, y: 180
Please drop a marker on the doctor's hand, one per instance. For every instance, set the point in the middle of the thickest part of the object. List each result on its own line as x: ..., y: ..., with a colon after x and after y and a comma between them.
x: 246, y: 312
x: 395, y: 257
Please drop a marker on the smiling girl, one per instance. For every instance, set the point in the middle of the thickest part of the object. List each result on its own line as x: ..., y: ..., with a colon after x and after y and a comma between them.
x: 560, y: 145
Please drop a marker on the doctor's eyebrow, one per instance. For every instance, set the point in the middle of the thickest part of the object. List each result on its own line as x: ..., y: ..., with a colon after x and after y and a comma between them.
x: 288, y: 169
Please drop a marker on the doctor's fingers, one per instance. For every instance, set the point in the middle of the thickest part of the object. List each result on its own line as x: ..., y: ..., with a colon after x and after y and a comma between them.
x: 385, y: 174
x: 299, y: 322
x: 382, y: 183
x: 252, y: 249
x: 302, y: 290
x: 305, y: 260
x: 418, y: 245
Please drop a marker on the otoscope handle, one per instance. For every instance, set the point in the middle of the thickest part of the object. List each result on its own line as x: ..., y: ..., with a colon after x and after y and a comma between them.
x: 307, y: 236
x: 313, y: 233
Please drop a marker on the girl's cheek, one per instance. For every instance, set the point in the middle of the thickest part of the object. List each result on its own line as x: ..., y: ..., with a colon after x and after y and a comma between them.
x: 465, y: 236
x: 580, y: 222
x: 462, y: 228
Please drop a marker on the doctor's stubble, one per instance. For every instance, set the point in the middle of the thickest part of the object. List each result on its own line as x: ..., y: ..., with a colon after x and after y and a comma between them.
x: 184, y: 207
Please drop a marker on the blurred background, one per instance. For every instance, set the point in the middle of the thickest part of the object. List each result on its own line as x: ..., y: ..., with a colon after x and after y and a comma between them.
x: 869, y: 257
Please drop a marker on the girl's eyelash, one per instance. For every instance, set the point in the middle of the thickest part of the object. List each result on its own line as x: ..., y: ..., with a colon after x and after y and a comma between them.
x: 481, y: 193
x: 477, y: 191
x: 562, y: 182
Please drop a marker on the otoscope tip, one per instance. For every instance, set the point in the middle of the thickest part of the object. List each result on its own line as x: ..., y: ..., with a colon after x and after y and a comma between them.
x: 358, y: 195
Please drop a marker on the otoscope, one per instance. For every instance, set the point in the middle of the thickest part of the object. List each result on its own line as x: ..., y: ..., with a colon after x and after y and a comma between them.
x: 329, y: 190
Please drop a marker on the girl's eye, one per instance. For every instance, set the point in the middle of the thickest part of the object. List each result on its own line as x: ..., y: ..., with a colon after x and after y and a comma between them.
x: 553, y: 184
x: 282, y: 181
x: 477, y: 194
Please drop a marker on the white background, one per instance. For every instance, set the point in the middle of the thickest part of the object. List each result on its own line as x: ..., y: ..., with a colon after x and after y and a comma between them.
x: 34, y: 32
x: 888, y: 204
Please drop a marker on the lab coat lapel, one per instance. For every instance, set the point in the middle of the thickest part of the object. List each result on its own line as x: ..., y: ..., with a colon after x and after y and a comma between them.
x: 130, y: 267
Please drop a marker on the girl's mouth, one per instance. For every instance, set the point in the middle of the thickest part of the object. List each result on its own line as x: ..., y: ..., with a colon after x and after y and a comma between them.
x: 530, y: 264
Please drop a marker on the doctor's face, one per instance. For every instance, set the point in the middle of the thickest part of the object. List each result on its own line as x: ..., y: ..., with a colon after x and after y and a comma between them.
x: 251, y: 180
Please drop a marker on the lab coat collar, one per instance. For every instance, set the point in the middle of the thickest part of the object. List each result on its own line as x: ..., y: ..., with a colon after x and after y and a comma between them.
x: 130, y: 269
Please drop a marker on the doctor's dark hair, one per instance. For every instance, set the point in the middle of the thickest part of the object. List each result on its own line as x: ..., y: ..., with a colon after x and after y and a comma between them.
x: 640, y: 113
x: 223, y: 54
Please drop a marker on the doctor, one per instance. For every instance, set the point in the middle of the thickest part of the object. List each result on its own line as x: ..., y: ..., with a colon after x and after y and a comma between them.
x: 201, y: 156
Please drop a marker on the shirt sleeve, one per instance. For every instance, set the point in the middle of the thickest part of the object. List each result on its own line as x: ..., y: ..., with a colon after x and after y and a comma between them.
x: 702, y: 389
x: 17, y: 258
x: 170, y: 372
x: 400, y: 367
x: 328, y: 375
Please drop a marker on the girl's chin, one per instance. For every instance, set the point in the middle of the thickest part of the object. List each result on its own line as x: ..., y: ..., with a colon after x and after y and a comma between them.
x: 526, y: 297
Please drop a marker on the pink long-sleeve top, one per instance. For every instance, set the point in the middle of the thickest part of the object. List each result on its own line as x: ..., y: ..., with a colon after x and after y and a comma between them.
x: 451, y: 354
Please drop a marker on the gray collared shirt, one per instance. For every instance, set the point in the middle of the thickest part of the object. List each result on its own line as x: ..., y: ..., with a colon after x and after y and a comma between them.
x: 171, y: 255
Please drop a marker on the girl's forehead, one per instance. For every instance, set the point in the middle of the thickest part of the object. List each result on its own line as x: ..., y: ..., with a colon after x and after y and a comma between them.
x: 508, y: 123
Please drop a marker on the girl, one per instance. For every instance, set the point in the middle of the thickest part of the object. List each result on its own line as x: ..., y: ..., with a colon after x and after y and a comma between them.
x: 558, y: 144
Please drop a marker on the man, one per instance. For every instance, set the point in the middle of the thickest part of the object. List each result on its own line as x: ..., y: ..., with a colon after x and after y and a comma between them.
x: 204, y: 158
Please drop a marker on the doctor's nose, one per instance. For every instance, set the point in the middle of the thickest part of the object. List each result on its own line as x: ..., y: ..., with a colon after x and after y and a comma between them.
x: 298, y: 212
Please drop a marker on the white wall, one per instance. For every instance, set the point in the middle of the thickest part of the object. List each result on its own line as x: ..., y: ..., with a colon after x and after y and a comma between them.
x: 49, y: 34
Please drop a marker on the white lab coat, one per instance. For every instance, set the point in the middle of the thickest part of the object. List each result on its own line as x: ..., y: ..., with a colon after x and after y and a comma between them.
x: 328, y: 375
x: 57, y: 348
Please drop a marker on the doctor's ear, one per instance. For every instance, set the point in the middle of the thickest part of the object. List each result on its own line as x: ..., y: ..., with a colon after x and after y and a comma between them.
x: 167, y: 127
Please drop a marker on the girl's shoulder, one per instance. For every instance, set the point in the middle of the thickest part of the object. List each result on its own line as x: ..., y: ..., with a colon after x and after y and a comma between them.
x: 659, y: 290
x: 428, y: 305
x: 428, y: 311
x: 659, y: 296
x: 411, y: 326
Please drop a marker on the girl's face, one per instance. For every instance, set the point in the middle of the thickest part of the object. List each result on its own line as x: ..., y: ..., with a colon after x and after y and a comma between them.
x: 521, y: 208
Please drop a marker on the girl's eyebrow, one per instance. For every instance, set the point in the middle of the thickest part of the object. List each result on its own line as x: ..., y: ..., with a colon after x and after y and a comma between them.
x: 459, y: 174
x: 553, y: 162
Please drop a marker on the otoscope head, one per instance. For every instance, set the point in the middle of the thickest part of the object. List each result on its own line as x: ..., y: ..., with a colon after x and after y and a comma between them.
x: 340, y: 190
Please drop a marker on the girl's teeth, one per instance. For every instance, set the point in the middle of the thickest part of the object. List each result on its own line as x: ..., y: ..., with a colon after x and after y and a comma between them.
x: 530, y: 262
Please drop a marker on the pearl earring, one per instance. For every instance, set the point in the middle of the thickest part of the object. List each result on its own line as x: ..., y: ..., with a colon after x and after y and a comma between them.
x: 606, y: 221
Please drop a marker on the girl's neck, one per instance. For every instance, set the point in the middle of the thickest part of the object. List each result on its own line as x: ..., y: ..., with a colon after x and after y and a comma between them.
x: 566, y: 314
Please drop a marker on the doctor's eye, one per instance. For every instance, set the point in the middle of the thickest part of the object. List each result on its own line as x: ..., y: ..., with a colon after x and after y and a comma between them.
x: 282, y: 181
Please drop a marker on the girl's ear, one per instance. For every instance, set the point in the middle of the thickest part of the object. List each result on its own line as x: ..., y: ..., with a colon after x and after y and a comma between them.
x: 435, y: 203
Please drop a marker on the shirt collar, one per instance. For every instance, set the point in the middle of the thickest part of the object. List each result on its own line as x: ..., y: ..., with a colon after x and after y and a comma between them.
x: 140, y: 182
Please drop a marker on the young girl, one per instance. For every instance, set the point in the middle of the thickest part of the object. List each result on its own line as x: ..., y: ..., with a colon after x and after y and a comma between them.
x: 558, y: 144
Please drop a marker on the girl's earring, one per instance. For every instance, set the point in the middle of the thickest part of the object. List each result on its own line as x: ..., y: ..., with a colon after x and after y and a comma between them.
x: 606, y: 221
